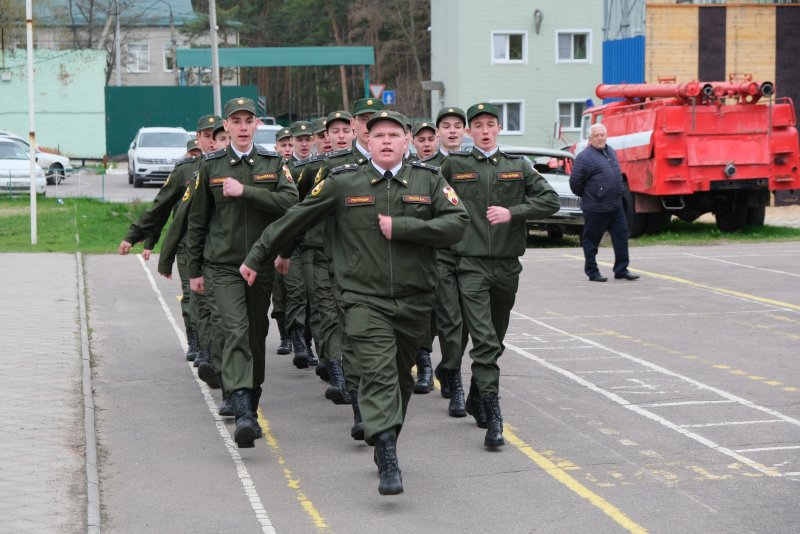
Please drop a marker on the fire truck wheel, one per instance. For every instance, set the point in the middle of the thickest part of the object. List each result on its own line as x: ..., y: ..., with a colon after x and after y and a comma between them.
x: 755, y: 216
x: 637, y: 222
x: 657, y: 222
x: 733, y: 218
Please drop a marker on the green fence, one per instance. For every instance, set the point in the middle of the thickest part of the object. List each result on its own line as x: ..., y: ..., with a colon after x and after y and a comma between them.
x: 130, y: 108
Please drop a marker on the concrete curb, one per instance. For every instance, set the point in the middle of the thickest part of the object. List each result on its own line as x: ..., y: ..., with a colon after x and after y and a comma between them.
x: 92, y: 480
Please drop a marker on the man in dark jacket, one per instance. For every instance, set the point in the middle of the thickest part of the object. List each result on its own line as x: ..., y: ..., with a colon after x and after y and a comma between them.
x: 596, y: 178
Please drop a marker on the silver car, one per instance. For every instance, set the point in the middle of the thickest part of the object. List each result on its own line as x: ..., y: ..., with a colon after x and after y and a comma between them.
x: 153, y: 154
x: 555, y: 166
x: 15, y: 170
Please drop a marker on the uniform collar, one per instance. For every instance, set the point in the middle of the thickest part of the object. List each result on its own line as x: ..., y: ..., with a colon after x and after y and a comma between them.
x: 378, y: 173
x: 363, y: 152
x: 480, y: 155
x: 240, y: 155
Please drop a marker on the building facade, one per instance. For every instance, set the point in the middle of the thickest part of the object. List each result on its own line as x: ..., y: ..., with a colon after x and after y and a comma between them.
x: 539, y: 63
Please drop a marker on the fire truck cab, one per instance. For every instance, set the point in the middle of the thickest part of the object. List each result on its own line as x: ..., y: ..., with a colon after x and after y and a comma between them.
x: 698, y: 147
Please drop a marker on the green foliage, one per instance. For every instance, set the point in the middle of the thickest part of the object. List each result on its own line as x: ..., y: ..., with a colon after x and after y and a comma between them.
x: 79, y: 224
x: 699, y: 233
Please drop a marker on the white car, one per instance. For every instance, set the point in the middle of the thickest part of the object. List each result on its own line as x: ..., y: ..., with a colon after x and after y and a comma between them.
x: 265, y: 135
x: 57, y: 167
x: 153, y: 154
x: 15, y: 170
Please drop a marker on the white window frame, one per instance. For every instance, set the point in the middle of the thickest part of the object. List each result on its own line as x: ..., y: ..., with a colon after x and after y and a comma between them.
x: 574, y: 128
x: 503, y: 109
x: 507, y: 61
x: 167, y: 47
x: 128, y: 65
x: 588, y: 34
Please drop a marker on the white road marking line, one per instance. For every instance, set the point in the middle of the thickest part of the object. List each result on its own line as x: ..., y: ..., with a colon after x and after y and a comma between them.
x: 684, y: 403
x: 620, y: 371
x: 730, y: 423
x: 241, y: 469
x: 590, y: 359
x: 648, y: 414
x: 741, y: 265
x: 762, y: 449
x: 792, y: 474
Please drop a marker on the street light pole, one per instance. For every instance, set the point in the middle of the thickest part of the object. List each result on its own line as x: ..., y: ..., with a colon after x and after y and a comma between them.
x: 174, y: 40
x: 32, y: 133
x: 117, y: 49
x: 212, y: 15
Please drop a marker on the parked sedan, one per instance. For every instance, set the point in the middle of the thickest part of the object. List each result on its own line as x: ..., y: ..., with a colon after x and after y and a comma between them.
x: 265, y: 135
x: 153, y: 154
x: 15, y: 170
x: 555, y: 166
x: 56, y: 167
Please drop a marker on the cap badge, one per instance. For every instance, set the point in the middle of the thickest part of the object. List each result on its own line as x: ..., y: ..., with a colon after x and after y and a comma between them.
x: 480, y: 106
x: 240, y: 101
x: 450, y: 110
x: 370, y: 102
x: 384, y: 114
x: 338, y: 115
x: 303, y: 127
x: 211, y: 120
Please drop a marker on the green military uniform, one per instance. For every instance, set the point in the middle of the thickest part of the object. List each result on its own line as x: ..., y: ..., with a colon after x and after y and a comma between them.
x: 221, y: 231
x: 487, y: 257
x: 386, y: 286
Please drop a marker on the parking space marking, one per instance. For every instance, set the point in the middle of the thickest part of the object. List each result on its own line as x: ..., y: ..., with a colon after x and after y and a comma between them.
x: 761, y: 449
x: 775, y: 271
x: 705, y: 287
x: 684, y: 403
x: 649, y: 414
x: 560, y: 474
x: 729, y: 423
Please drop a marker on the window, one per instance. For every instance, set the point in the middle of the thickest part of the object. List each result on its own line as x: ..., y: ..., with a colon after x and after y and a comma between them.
x: 138, y: 59
x: 169, y: 61
x: 574, y: 45
x: 511, y: 117
x: 569, y: 114
x: 509, y: 47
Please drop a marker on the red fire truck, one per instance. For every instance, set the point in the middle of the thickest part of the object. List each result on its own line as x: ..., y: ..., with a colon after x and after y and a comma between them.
x: 686, y: 149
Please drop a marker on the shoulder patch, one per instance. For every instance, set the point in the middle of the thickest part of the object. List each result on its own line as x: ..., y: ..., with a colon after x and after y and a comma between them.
x: 189, y: 159
x: 337, y: 153
x: 421, y: 165
x: 261, y: 151
x: 349, y: 167
x: 214, y: 155
x: 459, y: 153
x: 306, y: 161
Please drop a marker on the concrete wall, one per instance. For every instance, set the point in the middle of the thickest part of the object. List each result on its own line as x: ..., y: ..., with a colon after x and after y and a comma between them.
x: 461, y: 44
x: 69, y: 99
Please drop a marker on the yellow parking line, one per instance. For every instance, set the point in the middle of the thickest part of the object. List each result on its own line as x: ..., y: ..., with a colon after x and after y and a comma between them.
x: 570, y: 482
x: 291, y: 481
x: 730, y: 292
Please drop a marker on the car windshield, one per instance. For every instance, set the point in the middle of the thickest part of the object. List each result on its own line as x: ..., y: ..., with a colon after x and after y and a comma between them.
x: 162, y: 139
x: 264, y: 136
x: 11, y: 151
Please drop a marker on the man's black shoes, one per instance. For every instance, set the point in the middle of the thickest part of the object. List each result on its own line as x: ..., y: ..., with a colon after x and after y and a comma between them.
x: 627, y: 275
x: 597, y: 278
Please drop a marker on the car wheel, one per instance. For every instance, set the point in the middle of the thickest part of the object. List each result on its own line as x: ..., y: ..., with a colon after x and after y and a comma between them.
x: 55, y: 174
x: 137, y: 182
x: 130, y: 177
x: 555, y: 233
x: 732, y: 218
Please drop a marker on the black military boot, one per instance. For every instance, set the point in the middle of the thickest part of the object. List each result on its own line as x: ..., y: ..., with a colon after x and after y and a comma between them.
x: 424, y: 382
x: 194, y: 344
x: 206, y: 370
x: 322, y: 372
x: 357, y: 432
x: 439, y: 372
x: 300, y: 359
x: 286, y: 343
x: 255, y: 396
x: 225, y: 407
x: 245, y: 433
x: 388, y: 468
x: 494, y: 434
x: 336, y: 392
x: 474, y: 406
x: 312, y: 358
x: 456, y: 407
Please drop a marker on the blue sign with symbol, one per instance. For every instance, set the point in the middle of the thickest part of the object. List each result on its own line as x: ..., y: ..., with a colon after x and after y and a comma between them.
x: 388, y: 97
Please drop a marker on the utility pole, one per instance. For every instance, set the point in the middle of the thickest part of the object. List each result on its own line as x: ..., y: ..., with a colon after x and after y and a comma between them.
x: 212, y: 15
x: 117, y: 49
x: 174, y: 39
x: 32, y: 132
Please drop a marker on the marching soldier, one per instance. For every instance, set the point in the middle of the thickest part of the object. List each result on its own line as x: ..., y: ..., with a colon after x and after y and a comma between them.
x: 283, y: 146
x: 322, y: 144
x: 241, y: 191
x: 388, y: 217
x: 501, y: 192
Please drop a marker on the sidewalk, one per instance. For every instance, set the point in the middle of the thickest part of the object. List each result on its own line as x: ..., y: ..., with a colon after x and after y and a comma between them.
x: 42, y: 470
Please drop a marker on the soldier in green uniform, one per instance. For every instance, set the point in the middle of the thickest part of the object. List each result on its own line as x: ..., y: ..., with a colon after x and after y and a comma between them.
x: 152, y: 221
x: 388, y: 217
x: 208, y: 320
x: 241, y: 191
x: 500, y: 192
x: 283, y: 146
x: 298, y: 278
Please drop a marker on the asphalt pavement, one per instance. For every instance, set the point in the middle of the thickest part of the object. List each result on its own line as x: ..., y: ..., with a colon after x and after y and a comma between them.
x: 668, y: 404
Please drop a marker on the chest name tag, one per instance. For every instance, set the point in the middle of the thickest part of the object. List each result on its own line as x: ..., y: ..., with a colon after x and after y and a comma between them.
x: 268, y: 177
x: 464, y: 176
x: 416, y: 199
x: 516, y: 175
x: 359, y: 201
x: 217, y: 181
